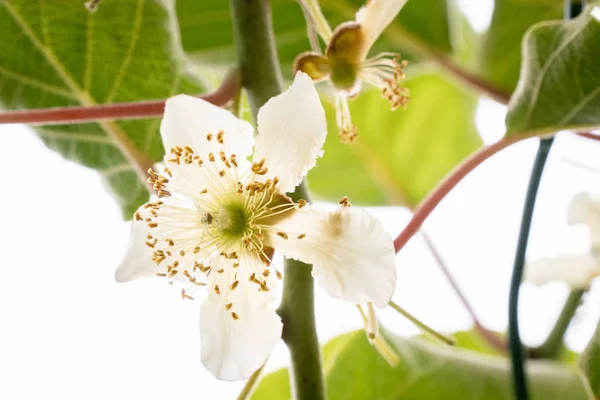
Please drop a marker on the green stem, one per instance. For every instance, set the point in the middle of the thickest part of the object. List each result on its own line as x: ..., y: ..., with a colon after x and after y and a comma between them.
x: 261, y: 76
x: 514, y: 339
x: 422, y: 326
x: 553, y: 345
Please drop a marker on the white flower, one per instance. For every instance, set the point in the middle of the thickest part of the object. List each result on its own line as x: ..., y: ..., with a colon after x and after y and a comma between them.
x: 345, y: 61
x: 577, y: 270
x: 219, y: 217
x: 585, y: 209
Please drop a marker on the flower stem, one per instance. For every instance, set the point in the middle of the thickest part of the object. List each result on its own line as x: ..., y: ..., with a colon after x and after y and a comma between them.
x: 117, y: 111
x: 261, y: 76
x: 422, y: 326
x: 553, y: 345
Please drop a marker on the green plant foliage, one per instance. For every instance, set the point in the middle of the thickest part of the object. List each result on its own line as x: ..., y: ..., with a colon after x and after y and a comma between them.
x: 500, y: 56
x: 559, y: 87
x: 422, y: 26
x: 354, y: 370
x: 399, y: 155
x: 56, y: 53
x: 590, y: 362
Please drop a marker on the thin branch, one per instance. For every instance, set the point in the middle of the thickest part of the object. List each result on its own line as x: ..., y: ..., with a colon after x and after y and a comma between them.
x: 444, y: 187
x: 118, y: 111
x: 589, y: 135
x: 488, y: 335
x: 471, y: 79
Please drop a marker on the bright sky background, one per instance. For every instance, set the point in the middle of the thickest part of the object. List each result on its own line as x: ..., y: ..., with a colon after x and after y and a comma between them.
x: 70, y: 331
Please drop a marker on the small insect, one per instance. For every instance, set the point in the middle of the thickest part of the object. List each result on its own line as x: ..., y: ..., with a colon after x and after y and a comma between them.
x: 207, y: 218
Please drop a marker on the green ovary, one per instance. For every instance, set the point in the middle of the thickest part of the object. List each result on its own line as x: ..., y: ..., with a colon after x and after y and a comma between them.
x: 232, y: 220
x: 343, y: 73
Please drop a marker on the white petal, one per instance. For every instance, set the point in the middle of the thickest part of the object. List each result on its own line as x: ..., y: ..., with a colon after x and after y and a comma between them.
x: 291, y: 132
x: 188, y: 120
x: 577, y: 270
x: 234, y: 349
x: 375, y: 16
x: 352, y: 255
x: 137, y: 262
x: 585, y: 209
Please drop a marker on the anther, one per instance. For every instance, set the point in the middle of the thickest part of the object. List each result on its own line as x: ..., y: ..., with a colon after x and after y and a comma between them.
x: 234, y: 316
x: 302, y: 236
x: 234, y: 285
x: 209, y: 137
x: 282, y: 235
x: 228, y: 306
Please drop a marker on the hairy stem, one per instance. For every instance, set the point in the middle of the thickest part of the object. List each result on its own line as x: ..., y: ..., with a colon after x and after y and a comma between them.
x: 553, y: 345
x: 117, y: 111
x: 261, y: 76
x: 490, y: 337
x: 514, y: 339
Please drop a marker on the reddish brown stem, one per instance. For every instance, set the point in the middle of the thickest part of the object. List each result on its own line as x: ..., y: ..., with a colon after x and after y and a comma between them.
x: 118, y: 111
x: 489, y: 336
x: 589, y: 135
x: 434, y: 198
x: 471, y: 79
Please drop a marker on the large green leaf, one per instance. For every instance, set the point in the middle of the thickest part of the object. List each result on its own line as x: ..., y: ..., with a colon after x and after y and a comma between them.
x: 559, y: 87
x: 207, y: 34
x: 399, y: 155
x: 355, y: 371
x: 590, y: 362
x: 56, y: 53
x: 500, y: 56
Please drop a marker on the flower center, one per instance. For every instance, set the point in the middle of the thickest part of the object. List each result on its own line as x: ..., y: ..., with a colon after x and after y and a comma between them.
x: 212, y: 222
x: 231, y: 220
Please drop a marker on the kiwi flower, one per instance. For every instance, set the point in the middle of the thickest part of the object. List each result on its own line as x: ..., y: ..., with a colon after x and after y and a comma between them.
x: 217, y: 219
x: 345, y: 63
x: 577, y: 270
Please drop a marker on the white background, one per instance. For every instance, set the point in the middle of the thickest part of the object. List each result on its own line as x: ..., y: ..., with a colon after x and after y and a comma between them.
x: 69, y: 331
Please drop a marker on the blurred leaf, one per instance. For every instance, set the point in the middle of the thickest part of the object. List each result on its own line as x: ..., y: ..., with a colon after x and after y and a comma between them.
x: 590, y: 362
x: 500, y: 56
x: 275, y: 385
x: 207, y: 35
x: 429, y: 371
x: 399, y: 155
x: 559, y: 88
x: 56, y: 53
x: 472, y: 340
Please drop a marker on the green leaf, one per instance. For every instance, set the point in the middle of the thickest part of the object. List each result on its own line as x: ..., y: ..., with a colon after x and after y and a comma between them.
x: 559, y: 88
x: 590, y: 362
x: 428, y: 371
x: 500, y: 56
x: 399, y: 155
x: 472, y: 340
x: 207, y: 35
x: 56, y: 53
